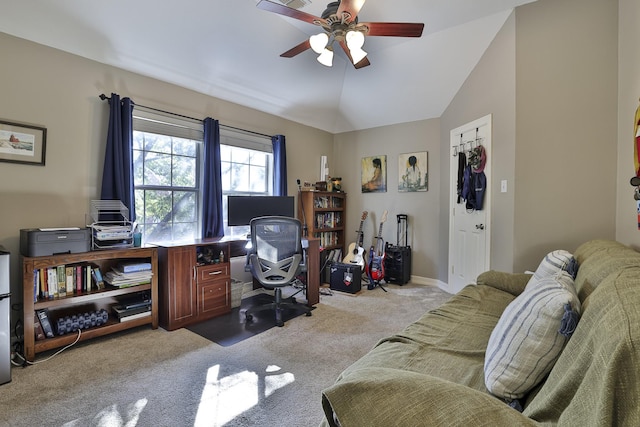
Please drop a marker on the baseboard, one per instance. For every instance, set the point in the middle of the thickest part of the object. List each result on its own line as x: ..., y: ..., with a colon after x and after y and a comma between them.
x: 427, y: 281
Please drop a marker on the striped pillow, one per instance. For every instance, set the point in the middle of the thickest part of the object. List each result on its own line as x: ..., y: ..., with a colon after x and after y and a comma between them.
x: 526, y: 342
x: 552, y: 263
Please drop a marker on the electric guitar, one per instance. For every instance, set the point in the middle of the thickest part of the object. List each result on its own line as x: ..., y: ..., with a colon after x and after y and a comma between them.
x: 376, y: 256
x: 355, y: 254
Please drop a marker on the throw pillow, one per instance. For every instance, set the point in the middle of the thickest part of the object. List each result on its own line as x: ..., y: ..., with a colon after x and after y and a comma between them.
x: 530, y: 335
x: 552, y: 263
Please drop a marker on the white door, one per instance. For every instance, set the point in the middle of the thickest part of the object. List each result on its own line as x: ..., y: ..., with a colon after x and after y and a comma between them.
x: 469, y: 230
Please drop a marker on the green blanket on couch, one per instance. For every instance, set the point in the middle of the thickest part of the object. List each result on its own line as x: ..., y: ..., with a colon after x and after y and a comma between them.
x: 431, y: 373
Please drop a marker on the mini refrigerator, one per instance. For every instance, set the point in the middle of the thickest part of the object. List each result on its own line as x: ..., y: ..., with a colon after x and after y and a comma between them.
x: 5, y: 312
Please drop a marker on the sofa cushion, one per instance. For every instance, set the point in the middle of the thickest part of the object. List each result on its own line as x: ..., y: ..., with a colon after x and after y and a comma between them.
x: 552, y: 263
x: 526, y: 341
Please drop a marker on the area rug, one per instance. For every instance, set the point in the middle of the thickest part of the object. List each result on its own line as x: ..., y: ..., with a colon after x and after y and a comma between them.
x: 231, y: 328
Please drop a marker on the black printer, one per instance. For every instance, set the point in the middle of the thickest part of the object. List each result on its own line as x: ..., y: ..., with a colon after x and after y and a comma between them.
x: 52, y: 241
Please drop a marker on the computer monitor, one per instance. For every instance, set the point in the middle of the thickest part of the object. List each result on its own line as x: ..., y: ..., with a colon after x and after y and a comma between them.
x: 242, y: 209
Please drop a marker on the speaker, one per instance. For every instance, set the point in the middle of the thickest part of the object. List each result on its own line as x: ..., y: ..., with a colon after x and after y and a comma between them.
x: 345, y: 278
x: 397, y: 264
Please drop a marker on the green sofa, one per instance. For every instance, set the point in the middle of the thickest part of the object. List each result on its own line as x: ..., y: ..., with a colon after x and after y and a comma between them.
x: 431, y: 373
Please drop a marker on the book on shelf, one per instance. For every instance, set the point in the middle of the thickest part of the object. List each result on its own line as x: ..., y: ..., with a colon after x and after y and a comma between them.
x: 45, y: 323
x: 96, y: 275
x: 62, y: 280
x: 122, y: 311
x: 37, y: 328
x: 123, y: 280
x: 132, y: 267
x: 139, y: 315
x: 52, y: 282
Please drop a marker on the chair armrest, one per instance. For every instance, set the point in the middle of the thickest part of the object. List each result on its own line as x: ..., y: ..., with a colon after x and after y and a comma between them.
x: 305, y: 246
x: 381, y: 397
x: 513, y: 283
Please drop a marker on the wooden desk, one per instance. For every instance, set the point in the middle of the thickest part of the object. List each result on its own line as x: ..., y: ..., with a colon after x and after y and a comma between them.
x: 187, y: 297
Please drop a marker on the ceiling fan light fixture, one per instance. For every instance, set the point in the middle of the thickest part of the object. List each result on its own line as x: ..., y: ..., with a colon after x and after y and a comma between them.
x: 354, y: 39
x: 357, y: 55
x: 326, y: 57
x: 318, y: 42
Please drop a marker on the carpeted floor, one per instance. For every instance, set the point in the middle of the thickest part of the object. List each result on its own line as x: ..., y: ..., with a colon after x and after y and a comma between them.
x: 146, y: 377
x: 232, y: 328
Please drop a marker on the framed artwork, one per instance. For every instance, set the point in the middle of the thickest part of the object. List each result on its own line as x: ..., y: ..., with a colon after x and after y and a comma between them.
x: 22, y: 143
x: 413, y: 172
x: 374, y: 174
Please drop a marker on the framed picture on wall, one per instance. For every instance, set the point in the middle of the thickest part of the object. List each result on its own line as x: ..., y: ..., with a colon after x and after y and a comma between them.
x: 374, y: 174
x: 21, y: 143
x: 413, y: 172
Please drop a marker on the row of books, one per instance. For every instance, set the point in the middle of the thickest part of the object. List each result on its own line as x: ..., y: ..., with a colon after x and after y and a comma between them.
x: 328, y: 238
x: 328, y: 220
x: 128, y: 274
x: 327, y: 202
x: 63, y: 280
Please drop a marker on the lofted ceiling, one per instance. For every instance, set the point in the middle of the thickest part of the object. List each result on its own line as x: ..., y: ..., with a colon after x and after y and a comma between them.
x: 230, y: 49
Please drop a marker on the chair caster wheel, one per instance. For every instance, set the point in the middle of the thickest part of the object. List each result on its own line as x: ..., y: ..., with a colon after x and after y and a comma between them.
x: 248, y: 317
x: 280, y: 325
x: 308, y: 314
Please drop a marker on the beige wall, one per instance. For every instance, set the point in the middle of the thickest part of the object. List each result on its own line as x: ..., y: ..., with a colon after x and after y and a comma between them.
x: 628, y: 93
x: 566, y: 103
x: 59, y: 91
x: 422, y: 207
x: 490, y: 89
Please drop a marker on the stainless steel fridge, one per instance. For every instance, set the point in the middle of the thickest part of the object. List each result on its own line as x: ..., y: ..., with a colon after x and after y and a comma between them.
x: 5, y: 312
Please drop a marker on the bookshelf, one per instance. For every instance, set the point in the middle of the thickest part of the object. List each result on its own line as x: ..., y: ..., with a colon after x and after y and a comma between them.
x: 325, y: 214
x: 83, y: 301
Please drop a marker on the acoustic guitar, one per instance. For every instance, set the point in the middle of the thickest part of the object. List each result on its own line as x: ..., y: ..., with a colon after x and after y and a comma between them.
x: 355, y: 254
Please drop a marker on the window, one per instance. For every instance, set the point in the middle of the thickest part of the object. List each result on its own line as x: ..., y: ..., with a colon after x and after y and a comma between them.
x: 247, y: 170
x: 168, y: 175
x: 167, y: 170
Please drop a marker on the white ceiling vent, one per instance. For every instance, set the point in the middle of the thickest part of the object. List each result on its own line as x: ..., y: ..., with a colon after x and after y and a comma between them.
x: 295, y: 4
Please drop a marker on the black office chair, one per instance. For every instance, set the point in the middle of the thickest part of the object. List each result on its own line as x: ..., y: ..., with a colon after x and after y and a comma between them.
x: 275, y: 259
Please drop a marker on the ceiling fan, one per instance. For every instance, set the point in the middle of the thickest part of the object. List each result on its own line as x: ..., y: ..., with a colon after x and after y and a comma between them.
x: 340, y: 24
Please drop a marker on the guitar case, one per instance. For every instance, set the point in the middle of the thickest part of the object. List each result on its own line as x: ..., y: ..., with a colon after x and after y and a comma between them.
x: 345, y: 277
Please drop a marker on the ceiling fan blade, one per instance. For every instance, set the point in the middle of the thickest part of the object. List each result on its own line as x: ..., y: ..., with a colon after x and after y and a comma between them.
x: 351, y: 6
x: 291, y: 13
x: 393, y: 29
x: 363, y: 62
x: 297, y: 49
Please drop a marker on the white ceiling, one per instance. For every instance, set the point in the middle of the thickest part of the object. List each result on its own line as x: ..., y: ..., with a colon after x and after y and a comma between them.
x: 230, y: 49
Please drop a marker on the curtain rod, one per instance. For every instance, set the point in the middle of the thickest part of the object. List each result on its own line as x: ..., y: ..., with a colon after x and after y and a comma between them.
x: 105, y: 97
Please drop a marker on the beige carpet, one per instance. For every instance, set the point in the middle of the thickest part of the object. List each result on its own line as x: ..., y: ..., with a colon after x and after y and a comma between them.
x: 155, y: 378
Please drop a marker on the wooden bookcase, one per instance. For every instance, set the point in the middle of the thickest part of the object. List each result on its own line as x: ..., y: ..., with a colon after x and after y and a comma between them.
x: 325, y: 214
x: 76, y: 303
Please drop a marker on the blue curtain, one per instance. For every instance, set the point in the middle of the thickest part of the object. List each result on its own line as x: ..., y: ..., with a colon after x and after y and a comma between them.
x: 279, y: 165
x: 117, y: 175
x: 213, y: 221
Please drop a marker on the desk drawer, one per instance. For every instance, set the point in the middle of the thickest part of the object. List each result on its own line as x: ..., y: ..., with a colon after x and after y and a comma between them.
x: 214, y: 297
x: 210, y: 272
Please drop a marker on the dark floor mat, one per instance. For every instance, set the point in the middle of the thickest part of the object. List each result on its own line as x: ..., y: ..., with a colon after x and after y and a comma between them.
x: 231, y: 328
